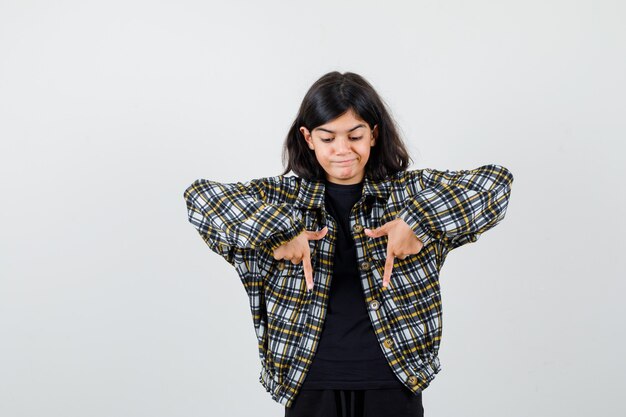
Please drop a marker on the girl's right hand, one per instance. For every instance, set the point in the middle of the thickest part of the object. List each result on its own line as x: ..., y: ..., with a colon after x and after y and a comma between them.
x: 297, y: 250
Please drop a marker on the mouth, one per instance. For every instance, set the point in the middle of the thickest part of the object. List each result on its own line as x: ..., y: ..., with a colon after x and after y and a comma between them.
x: 345, y: 162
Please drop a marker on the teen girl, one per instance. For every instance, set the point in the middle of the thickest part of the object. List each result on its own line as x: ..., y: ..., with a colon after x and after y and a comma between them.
x: 341, y: 262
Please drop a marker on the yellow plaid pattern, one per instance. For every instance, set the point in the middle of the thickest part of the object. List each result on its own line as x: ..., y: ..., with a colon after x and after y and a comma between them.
x: 243, y: 222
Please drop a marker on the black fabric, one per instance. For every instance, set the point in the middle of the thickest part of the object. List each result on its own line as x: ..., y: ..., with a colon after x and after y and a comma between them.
x: 389, y: 402
x: 348, y: 356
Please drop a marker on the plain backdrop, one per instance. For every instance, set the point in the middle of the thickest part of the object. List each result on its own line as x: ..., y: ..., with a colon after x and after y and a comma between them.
x: 112, y: 305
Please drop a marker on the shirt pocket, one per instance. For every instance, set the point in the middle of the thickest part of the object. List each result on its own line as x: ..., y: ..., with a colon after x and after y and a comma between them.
x: 286, y: 301
x: 377, y: 249
x: 410, y: 273
x: 284, y: 278
x: 419, y: 327
x: 284, y: 337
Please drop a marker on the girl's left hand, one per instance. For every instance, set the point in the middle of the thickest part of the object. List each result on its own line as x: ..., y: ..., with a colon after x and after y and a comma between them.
x: 401, y: 242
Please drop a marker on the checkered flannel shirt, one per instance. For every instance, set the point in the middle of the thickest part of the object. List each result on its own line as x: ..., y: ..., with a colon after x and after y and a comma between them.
x: 245, y: 221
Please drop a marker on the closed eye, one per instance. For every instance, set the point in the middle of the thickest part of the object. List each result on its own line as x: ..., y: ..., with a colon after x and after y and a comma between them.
x: 327, y: 140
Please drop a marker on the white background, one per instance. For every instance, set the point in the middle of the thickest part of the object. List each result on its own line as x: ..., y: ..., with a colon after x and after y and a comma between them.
x: 112, y: 305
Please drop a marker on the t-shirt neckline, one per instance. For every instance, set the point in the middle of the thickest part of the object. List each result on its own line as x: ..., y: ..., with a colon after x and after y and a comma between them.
x: 343, y: 187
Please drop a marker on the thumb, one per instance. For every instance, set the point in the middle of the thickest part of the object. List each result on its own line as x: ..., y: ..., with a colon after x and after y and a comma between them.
x: 377, y: 232
x: 317, y: 235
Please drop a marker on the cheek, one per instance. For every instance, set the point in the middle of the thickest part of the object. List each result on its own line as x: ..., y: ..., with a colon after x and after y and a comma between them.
x: 322, y: 159
x: 325, y: 157
x: 365, y: 154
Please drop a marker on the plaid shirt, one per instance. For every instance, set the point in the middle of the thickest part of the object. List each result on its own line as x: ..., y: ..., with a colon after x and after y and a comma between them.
x: 245, y: 222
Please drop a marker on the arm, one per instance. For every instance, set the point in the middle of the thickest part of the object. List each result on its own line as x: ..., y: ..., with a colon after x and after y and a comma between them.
x: 456, y: 206
x: 232, y: 217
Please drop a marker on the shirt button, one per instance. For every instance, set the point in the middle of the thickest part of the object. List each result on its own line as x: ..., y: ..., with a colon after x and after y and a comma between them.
x: 388, y: 342
x: 374, y: 304
x: 365, y: 266
x: 357, y: 228
x: 281, y: 266
x: 412, y: 380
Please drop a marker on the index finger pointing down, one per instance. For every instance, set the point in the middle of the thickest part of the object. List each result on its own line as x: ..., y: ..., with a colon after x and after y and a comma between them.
x: 308, y: 270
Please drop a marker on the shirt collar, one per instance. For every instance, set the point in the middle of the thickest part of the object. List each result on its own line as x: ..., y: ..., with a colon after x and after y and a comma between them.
x: 311, y: 193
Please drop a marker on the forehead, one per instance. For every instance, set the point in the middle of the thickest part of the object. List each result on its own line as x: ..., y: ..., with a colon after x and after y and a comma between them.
x: 345, y: 123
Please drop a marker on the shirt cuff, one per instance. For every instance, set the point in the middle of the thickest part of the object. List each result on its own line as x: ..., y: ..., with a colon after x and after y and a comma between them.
x: 285, y: 236
x: 420, y: 231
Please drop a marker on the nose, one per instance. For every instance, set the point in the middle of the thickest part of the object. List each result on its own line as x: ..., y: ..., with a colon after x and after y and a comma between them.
x: 343, y: 146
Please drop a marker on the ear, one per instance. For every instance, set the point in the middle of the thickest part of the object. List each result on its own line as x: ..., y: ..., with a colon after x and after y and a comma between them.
x: 307, y: 137
x: 374, y: 135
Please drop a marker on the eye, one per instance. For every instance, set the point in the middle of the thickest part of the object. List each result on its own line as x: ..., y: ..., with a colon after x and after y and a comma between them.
x: 326, y: 140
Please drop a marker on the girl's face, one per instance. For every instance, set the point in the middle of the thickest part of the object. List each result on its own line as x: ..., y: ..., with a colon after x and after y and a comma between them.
x: 342, y: 147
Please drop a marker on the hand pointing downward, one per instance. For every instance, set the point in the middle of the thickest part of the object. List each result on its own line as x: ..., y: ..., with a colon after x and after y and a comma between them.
x: 297, y: 250
x: 401, y: 242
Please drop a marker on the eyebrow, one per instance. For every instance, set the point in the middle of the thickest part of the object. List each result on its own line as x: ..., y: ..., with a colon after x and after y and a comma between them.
x: 331, y: 131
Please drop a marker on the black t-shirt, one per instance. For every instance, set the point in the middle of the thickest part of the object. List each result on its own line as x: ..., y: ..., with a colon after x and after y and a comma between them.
x: 348, y: 355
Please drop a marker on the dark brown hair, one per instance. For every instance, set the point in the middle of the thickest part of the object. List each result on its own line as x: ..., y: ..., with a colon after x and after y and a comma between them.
x: 330, y: 97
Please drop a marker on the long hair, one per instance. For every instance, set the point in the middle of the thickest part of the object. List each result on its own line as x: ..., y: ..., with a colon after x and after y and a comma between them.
x: 328, y: 98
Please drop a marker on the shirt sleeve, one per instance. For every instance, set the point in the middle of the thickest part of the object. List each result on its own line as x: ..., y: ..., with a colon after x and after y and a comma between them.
x: 456, y: 206
x: 236, y: 216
